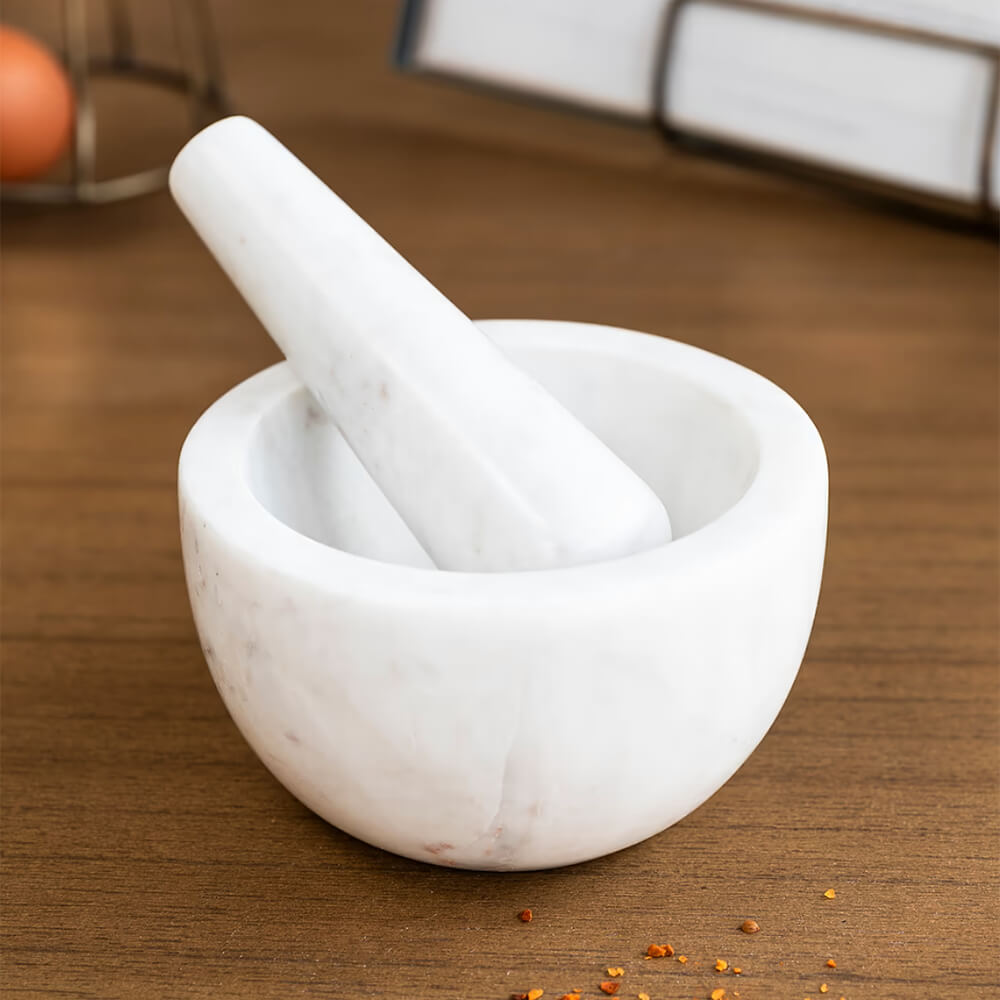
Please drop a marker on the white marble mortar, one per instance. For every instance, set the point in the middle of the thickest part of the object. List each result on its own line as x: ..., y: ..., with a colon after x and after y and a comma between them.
x: 510, y: 720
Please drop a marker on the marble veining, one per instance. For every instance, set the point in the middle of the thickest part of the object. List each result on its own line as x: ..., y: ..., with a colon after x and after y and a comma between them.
x: 487, y: 470
x: 510, y: 720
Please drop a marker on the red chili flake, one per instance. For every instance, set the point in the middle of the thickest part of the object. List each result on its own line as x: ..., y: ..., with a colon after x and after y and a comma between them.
x: 659, y: 950
x: 610, y: 987
x: 831, y: 963
x: 525, y: 916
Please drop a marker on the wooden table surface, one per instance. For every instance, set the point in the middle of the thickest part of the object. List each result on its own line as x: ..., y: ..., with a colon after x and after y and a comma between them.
x: 147, y: 853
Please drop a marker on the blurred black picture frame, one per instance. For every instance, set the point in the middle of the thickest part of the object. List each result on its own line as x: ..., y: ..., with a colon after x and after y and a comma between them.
x: 978, y: 215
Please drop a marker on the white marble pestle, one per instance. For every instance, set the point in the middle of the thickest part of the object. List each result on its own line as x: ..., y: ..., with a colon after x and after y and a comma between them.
x: 488, y: 470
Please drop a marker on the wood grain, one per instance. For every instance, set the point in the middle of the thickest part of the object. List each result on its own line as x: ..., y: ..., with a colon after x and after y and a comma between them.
x: 146, y: 852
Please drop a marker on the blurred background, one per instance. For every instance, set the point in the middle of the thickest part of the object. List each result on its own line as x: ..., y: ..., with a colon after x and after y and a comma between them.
x: 513, y: 208
x: 143, y: 840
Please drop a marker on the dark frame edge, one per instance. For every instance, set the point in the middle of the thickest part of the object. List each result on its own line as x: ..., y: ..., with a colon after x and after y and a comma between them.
x: 404, y: 45
x: 979, y: 216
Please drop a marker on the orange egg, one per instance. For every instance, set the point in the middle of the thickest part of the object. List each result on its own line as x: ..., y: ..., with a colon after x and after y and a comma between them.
x: 36, y: 107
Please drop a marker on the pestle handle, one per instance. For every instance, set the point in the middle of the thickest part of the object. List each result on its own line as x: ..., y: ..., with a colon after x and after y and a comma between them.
x: 488, y: 470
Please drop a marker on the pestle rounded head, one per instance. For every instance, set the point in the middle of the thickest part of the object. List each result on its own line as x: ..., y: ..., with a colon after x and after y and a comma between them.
x: 487, y: 469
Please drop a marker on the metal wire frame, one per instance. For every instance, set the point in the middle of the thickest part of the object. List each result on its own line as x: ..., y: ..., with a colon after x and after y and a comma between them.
x: 980, y: 215
x: 980, y: 212
x: 199, y: 78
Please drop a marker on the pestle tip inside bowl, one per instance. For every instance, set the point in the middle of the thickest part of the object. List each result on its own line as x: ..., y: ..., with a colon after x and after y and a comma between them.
x: 487, y: 469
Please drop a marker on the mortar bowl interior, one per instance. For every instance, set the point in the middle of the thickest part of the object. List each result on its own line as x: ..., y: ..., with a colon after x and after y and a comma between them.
x: 510, y: 720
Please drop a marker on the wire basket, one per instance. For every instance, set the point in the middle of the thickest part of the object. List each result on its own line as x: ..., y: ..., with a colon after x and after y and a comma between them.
x: 197, y: 77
